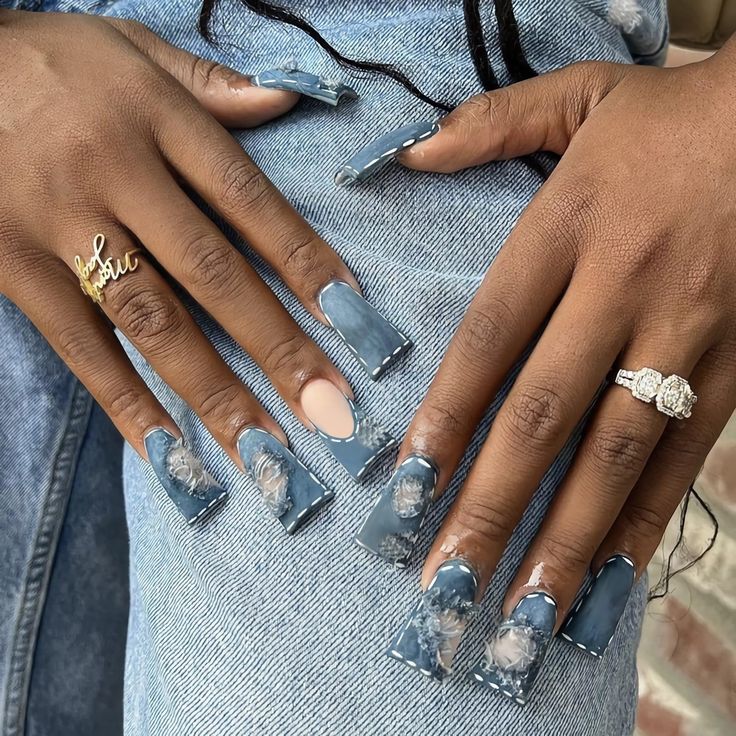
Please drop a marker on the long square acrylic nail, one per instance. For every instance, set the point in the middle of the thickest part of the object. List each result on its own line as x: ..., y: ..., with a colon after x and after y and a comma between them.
x: 592, y: 623
x: 194, y: 492
x: 318, y: 88
x: 291, y: 492
x: 428, y: 640
x: 392, y: 527
x: 514, y: 655
x: 369, y: 336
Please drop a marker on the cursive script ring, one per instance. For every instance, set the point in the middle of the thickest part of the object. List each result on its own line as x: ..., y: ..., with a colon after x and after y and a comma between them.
x: 95, y: 273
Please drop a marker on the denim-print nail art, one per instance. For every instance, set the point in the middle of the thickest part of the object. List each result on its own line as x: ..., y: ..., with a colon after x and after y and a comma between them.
x: 291, y: 491
x: 377, y: 154
x: 192, y: 489
x: 367, y: 443
x: 514, y: 655
x: 392, y: 527
x: 592, y: 623
x: 369, y: 336
x: 326, y: 90
x: 429, y: 638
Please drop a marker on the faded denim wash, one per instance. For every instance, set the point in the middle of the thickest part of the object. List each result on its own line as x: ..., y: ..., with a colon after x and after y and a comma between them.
x: 236, y: 628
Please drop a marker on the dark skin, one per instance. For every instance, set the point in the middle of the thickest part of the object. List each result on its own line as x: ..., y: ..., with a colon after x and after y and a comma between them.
x: 629, y: 246
x: 634, y: 234
x: 109, y: 151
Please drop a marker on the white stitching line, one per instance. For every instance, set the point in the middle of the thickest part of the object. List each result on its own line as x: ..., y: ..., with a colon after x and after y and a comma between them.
x: 351, y: 347
x: 207, y: 507
x: 367, y: 463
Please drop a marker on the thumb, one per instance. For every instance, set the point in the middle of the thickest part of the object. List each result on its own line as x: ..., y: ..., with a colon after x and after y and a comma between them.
x: 539, y: 114
x: 225, y: 93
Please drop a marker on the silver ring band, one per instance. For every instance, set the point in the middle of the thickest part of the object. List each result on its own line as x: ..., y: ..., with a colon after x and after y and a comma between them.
x: 672, y: 395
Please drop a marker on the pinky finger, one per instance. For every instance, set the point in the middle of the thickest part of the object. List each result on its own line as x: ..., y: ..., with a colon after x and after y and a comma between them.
x: 633, y: 539
x: 77, y: 331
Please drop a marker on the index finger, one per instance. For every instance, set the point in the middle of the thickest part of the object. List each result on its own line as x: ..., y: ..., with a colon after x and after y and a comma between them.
x: 224, y: 175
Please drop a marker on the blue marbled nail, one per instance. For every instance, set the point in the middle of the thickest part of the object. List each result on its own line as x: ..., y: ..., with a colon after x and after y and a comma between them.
x: 377, y: 154
x: 514, y: 655
x: 429, y: 638
x: 369, y: 336
x: 194, y: 492
x: 330, y: 91
x: 393, y: 525
x: 592, y: 623
x: 291, y: 491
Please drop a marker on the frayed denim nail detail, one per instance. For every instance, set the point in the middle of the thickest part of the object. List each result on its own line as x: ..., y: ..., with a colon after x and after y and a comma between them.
x: 358, y: 452
x: 431, y: 634
x: 192, y: 489
x: 392, y: 527
x: 330, y: 91
x: 514, y: 655
x: 369, y: 336
x: 592, y: 623
x: 377, y: 154
x: 289, y: 489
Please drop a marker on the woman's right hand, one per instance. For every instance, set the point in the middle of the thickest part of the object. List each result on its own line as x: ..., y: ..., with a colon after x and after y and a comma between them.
x: 101, y: 120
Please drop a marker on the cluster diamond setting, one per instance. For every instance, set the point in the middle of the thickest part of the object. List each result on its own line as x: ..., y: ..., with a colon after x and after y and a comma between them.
x: 672, y: 395
x: 675, y: 398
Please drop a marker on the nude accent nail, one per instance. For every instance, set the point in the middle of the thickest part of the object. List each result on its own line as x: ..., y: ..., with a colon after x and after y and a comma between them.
x: 355, y: 439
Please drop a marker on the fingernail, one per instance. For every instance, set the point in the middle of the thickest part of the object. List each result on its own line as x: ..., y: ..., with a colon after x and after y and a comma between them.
x: 192, y: 489
x: 392, y: 527
x: 326, y: 90
x: 369, y: 336
x: 356, y: 440
x: 431, y: 634
x: 592, y: 623
x: 290, y: 490
x: 514, y: 656
x: 377, y: 154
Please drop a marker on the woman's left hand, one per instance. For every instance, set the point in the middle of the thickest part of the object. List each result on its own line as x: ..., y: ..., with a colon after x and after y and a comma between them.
x: 630, y: 250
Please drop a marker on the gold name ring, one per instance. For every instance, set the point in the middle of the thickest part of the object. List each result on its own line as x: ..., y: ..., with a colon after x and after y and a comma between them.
x: 109, y: 269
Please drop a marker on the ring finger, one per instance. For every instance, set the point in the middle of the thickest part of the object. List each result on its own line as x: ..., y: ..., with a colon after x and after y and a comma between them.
x: 547, y: 400
x: 616, y: 446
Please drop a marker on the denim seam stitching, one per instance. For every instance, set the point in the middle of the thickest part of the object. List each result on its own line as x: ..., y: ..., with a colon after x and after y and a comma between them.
x: 41, y: 560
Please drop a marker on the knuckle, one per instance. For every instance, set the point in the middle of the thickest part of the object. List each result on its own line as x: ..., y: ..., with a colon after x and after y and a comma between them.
x: 126, y: 405
x: 300, y: 256
x: 486, y: 517
x: 241, y: 184
x: 535, y: 416
x: 208, y: 261
x: 644, y: 521
x: 218, y: 405
x: 488, y: 108
x: 72, y: 345
x: 576, y: 206
x: 566, y: 551
x: 204, y: 72
x: 619, y: 448
x: 143, y: 312
x: 483, y: 329
x: 285, y: 355
x: 440, y: 415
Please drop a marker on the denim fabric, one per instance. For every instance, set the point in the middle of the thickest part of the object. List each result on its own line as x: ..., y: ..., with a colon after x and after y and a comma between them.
x: 63, y: 546
x: 237, y: 629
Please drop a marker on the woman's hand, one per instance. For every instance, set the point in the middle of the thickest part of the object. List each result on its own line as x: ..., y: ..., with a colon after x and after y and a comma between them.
x: 629, y: 252
x: 101, y: 123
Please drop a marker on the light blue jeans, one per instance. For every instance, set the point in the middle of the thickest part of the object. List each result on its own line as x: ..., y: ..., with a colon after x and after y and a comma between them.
x: 234, y: 627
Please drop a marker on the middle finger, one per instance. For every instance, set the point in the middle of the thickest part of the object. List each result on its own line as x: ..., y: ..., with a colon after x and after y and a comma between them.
x: 548, y: 399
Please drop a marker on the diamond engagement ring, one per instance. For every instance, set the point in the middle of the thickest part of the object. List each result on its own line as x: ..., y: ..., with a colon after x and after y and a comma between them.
x: 672, y: 395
